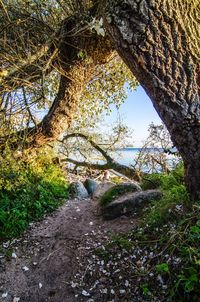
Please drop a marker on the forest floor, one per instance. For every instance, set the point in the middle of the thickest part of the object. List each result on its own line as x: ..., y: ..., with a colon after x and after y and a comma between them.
x: 44, y: 263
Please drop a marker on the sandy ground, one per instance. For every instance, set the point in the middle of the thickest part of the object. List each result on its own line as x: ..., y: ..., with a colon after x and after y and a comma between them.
x: 53, y: 251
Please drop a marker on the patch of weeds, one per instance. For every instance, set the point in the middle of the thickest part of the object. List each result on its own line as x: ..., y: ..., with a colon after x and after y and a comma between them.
x: 144, y: 289
x: 162, y: 268
x: 103, y: 254
x: 28, y: 189
x: 151, y: 181
x: 121, y: 241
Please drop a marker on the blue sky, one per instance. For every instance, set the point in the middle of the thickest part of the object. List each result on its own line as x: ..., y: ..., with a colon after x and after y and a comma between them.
x: 137, y: 113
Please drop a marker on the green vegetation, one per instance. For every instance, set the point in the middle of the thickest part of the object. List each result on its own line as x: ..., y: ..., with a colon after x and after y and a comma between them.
x: 161, y: 258
x: 114, y: 192
x: 28, y: 189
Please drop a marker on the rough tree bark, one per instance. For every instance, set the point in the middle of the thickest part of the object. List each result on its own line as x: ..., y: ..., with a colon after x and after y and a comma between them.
x: 159, y: 41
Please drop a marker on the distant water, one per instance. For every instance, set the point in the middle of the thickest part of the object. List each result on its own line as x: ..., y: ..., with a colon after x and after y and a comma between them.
x: 127, y: 156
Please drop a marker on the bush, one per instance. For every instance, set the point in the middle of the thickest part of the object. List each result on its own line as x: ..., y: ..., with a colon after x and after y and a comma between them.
x: 29, y: 188
x: 151, y: 181
x: 115, y: 192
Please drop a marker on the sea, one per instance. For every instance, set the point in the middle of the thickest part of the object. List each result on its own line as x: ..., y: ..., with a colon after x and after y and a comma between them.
x: 127, y: 156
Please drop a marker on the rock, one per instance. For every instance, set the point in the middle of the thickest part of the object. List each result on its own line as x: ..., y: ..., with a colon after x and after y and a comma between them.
x: 101, y: 189
x: 90, y: 185
x: 128, y: 204
x: 77, y: 190
x: 118, y: 190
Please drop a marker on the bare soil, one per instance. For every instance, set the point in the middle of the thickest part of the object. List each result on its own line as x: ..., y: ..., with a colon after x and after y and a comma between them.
x: 52, y: 252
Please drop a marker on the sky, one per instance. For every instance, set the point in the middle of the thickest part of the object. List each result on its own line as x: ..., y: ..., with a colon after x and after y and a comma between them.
x: 137, y: 113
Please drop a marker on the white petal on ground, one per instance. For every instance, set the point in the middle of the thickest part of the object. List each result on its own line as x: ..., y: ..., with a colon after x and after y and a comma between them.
x: 25, y: 268
x: 40, y: 285
x: 86, y: 294
x: 4, y: 295
x: 14, y: 255
x: 16, y: 299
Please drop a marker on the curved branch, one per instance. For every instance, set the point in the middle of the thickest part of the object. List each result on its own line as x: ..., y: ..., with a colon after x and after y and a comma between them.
x: 86, y: 164
x: 110, y: 162
x: 92, y: 143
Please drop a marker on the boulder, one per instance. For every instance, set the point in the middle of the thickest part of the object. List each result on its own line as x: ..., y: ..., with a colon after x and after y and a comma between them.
x: 77, y: 190
x: 101, y: 189
x: 90, y: 185
x: 128, y: 204
x: 119, y: 190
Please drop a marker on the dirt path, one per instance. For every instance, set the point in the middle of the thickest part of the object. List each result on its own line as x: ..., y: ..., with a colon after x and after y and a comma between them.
x: 54, y: 251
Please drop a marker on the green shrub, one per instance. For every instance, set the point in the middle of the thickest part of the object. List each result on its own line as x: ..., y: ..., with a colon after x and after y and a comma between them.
x: 28, y: 189
x: 151, y: 181
x: 115, y: 192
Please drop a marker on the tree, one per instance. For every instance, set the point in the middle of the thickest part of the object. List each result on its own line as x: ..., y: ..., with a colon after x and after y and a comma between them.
x: 159, y: 42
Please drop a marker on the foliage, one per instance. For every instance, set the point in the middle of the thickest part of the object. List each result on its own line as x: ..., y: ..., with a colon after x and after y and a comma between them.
x: 174, y: 192
x: 29, y: 189
x: 107, y: 88
x: 115, y: 192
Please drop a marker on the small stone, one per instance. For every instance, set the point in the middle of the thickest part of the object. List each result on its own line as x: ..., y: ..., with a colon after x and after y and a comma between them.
x: 91, y: 223
x: 16, y: 299
x: 122, y: 291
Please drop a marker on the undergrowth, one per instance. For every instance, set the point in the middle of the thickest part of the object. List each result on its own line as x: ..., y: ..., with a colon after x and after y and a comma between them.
x: 29, y: 188
x: 161, y: 258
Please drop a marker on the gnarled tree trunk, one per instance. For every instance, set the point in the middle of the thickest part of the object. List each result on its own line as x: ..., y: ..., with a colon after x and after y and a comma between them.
x: 159, y: 41
x: 80, y: 52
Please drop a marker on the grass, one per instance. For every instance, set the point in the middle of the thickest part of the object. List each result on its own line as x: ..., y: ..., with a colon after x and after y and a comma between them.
x: 28, y: 190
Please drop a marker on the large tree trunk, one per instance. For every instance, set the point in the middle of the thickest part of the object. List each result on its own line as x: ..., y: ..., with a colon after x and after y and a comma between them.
x: 80, y: 52
x: 159, y: 41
